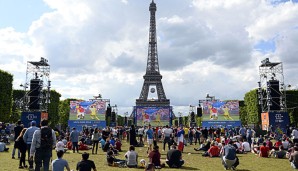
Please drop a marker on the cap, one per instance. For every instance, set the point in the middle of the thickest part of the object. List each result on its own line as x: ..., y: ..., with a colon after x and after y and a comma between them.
x: 33, y: 122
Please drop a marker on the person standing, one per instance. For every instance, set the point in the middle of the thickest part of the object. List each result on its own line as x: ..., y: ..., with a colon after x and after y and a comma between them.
x: 42, y: 144
x: 295, y: 135
x: 95, y: 140
x: 180, y: 140
x: 17, y: 131
x: 167, y: 133
x: 59, y: 164
x: 28, y: 136
x: 22, y: 146
x: 149, y: 134
x: 132, y: 136
x: 74, y: 138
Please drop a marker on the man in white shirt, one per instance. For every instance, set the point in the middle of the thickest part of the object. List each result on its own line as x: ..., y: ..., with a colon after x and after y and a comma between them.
x: 295, y: 135
x: 167, y: 137
x: 141, y: 133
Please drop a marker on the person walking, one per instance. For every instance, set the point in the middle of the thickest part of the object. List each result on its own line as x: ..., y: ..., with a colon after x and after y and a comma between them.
x: 74, y: 138
x: 42, y: 144
x: 22, y: 146
x: 17, y: 131
x: 28, y: 136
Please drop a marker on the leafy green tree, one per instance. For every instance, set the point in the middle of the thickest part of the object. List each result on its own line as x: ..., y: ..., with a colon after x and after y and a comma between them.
x: 53, y: 108
x: 252, y: 107
x: 5, y: 96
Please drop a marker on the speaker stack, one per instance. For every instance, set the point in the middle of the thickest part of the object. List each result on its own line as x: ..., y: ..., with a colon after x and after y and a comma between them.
x: 199, y: 112
x: 273, y: 96
x: 35, y: 90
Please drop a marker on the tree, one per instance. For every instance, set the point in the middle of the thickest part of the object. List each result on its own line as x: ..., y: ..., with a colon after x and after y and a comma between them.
x: 64, y: 110
x: 5, y: 96
x: 53, y: 108
x: 252, y: 107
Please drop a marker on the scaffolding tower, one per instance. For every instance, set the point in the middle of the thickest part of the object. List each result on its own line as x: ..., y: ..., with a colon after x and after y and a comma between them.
x: 271, y: 91
x: 37, y: 86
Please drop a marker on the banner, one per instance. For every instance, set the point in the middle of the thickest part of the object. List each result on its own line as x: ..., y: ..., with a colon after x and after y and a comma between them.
x: 87, y: 110
x: 27, y: 117
x: 81, y: 124
x: 219, y: 124
x: 155, y: 116
x: 221, y: 111
x: 275, y: 119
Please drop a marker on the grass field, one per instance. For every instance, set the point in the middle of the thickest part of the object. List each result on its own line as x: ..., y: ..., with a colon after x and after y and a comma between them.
x: 193, y: 161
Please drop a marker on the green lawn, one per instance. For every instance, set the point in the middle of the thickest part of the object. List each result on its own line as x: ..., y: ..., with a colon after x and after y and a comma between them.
x: 193, y: 161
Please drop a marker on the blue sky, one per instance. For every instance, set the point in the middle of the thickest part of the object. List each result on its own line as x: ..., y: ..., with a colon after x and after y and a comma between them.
x: 19, y: 14
x: 100, y: 46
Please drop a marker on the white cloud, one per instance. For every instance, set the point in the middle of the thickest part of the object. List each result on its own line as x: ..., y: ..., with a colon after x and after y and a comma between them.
x: 204, y: 47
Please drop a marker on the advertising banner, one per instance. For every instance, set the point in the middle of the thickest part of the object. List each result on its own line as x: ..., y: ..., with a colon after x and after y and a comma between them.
x: 155, y: 116
x: 27, y: 117
x: 80, y: 124
x: 87, y: 110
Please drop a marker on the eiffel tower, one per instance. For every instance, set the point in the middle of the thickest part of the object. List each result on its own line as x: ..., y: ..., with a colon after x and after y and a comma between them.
x: 152, y: 78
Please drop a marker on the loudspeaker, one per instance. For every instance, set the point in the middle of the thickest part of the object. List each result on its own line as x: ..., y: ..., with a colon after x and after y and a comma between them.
x: 34, y: 93
x: 192, y: 117
x: 199, y: 112
x: 273, y: 87
x: 113, y: 117
x: 108, y: 112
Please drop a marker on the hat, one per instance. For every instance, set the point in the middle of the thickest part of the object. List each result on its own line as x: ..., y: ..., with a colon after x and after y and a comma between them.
x: 33, y: 123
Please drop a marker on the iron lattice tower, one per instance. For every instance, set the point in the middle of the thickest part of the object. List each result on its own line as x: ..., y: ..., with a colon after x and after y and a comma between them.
x: 272, y: 90
x: 152, y: 78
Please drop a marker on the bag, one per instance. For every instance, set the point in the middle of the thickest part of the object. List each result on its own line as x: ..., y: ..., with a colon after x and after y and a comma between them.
x: 46, y: 140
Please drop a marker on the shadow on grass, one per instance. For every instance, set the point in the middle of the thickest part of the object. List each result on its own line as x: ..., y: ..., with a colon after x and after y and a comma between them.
x: 242, y: 170
x: 189, y: 168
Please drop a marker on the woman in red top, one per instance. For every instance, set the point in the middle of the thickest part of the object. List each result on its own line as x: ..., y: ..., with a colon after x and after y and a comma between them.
x: 264, y: 151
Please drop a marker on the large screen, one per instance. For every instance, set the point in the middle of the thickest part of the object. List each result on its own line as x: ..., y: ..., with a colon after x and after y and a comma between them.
x: 221, y: 111
x: 155, y: 116
x: 87, y: 110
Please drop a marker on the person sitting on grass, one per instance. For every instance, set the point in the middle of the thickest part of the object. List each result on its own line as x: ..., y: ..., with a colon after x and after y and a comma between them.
x: 294, y: 158
x: 112, y: 160
x: 106, y: 147
x: 154, y: 157
x: 213, y: 151
x: 131, y: 157
x: 85, y: 164
x: 280, y: 153
x: 264, y: 150
x: 174, y: 158
x: 204, y: 147
x: 118, y: 145
x: 59, y: 164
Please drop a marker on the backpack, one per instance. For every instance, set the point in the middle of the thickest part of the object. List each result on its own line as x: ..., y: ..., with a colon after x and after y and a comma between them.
x: 46, y: 140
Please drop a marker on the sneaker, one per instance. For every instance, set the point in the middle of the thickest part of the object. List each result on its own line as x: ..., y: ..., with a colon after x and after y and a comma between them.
x: 21, y: 167
x: 26, y: 166
x: 13, y: 157
x: 233, y: 168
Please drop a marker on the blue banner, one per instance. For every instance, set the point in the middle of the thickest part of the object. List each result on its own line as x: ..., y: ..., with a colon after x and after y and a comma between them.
x: 27, y: 117
x: 216, y: 124
x: 79, y: 124
x: 280, y: 119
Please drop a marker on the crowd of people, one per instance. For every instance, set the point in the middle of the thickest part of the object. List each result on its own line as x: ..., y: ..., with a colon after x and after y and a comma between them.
x: 224, y: 143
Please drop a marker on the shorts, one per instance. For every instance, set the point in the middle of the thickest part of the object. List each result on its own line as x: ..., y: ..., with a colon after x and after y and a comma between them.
x: 150, y: 141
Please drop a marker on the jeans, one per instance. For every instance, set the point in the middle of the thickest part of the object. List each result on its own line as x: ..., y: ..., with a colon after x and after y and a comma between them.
x: 75, y: 146
x: 95, y: 146
x: 28, y: 148
x: 14, y: 151
x: 42, y: 158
